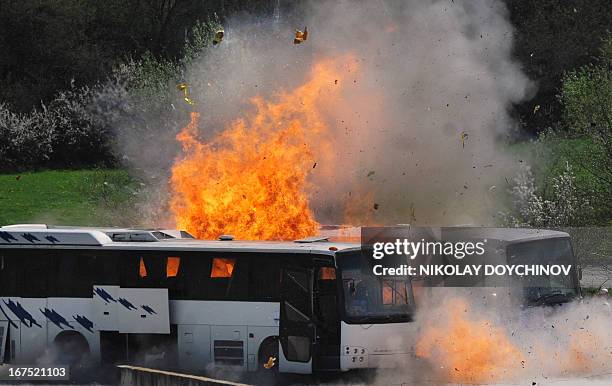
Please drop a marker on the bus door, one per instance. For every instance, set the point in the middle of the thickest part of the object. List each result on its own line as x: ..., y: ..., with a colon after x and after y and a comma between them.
x: 297, y: 327
x: 327, y: 317
x: 4, y: 325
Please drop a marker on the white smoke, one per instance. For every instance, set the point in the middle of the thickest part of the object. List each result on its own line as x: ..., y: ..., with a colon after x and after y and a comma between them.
x: 429, y: 74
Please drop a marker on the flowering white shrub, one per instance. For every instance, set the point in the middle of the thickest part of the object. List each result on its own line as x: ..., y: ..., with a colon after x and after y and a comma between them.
x: 81, y: 125
x: 562, y: 206
x: 25, y: 139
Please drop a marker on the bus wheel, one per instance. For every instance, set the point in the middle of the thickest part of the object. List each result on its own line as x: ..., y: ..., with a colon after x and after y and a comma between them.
x: 268, y: 355
x: 71, y: 347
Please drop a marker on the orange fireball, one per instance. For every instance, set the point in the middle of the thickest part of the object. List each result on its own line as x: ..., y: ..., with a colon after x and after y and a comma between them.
x: 251, y: 180
x: 468, y: 349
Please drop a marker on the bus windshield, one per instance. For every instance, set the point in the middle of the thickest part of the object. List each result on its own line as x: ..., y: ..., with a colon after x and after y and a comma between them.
x: 546, y: 288
x: 373, y: 299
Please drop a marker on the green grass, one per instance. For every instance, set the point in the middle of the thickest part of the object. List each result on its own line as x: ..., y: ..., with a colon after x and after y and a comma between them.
x: 67, y: 197
x: 547, y: 158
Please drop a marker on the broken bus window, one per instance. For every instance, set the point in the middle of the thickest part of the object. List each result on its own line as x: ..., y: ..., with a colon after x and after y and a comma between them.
x: 172, y: 266
x: 222, y: 267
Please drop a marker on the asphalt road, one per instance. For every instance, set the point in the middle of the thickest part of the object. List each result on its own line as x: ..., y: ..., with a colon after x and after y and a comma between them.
x: 351, y: 380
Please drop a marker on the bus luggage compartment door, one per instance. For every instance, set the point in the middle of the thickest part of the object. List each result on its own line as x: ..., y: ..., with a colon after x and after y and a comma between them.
x: 105, y: 307
x: 143, y: 310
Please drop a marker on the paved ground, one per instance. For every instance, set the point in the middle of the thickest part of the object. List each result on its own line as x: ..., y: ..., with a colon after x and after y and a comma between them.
x: 601, y: 380
x: 347, y: 380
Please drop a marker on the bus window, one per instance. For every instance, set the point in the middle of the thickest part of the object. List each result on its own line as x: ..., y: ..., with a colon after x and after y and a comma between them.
x: 142, y: 269
x: 229, y: 279
x: 394, y: 292
x: 36, y: 273
x: 369, y: 298
x: 172, y: 266
x: 264, y: 279
x: 191, y: 281
x: 327, y: 273
x: 73, y: 274
x: 222, y: 267
x: 9, y: 274
x: 545, y: 288
x: 387, y: 292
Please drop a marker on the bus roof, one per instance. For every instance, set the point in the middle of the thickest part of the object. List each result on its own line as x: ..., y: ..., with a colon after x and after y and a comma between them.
x: 510, y: 235
x: 40, y: 235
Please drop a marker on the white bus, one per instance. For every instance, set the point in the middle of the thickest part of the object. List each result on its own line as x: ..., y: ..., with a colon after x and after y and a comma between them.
x: 162, y: 298
x: 512, y: 246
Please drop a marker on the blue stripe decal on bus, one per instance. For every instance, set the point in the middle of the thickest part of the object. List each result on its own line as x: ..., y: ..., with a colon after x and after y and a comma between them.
x: 30, y: 237
x: 23, y: 315
x: 104, y: 295
x: 83, y: 321
x: 56, y: 318
x: 52, y: 239
x: 7, y: 317
x: 125, y: 303
x: 148, y: 309
x: 9, y: 238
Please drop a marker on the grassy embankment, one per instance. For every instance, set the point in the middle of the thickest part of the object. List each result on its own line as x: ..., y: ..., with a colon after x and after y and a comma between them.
x: 103, y: 197
x: 67, y: 197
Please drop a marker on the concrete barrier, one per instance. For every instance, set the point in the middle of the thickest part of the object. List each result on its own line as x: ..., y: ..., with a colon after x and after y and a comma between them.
x: 141, y: 376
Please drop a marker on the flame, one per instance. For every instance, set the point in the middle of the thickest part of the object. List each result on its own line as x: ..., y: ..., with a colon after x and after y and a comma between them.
x: 251, y: 180
x: 469, y: 350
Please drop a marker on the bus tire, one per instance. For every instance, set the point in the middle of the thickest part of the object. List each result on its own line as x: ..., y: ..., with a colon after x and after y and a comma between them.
x: 71, y: 348
x: 267, y: 349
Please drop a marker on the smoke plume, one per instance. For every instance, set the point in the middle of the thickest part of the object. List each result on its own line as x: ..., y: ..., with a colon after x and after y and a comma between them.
x: 415, y: 134
x: 478, y: 337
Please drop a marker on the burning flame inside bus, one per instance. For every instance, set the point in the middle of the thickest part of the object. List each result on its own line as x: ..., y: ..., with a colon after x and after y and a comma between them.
x: 251, y: 180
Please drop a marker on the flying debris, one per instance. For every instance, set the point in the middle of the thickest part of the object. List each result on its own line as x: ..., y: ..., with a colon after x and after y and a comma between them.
x: 218, y: 37
x: 300, y: 36
x: 185, y: 89
x: 270, y: 363
x: 464, y: 137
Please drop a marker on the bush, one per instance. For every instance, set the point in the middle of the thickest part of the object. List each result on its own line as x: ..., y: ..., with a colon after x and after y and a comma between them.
x: 587, y: 99
x: 25, y: 139
x: 557, y: 205
x: 63, y: 134
x: 78, y: 139
x: 80, y: 126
